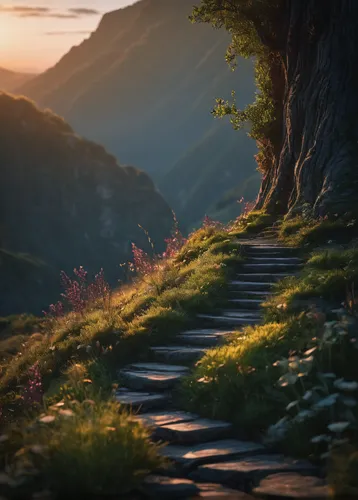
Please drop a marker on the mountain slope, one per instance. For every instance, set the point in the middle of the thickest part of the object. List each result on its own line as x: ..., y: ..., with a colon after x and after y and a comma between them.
x: 144, y: 83
x: 65, y: 202
x: 11, y: 80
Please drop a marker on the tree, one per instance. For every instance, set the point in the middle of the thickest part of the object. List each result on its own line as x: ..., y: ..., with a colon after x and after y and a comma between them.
x: 305, y: 115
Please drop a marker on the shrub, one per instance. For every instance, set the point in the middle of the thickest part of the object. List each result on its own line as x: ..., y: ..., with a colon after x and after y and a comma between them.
x: 84, y: 449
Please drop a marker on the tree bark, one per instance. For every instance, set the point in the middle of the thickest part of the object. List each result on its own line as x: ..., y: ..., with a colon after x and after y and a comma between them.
x: 317, y: 166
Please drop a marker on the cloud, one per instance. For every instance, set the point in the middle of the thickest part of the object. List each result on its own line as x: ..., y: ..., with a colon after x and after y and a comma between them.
x: 81, y: 11
x: 61, y: 33
x: 45, y: 12
x: 25, y: 10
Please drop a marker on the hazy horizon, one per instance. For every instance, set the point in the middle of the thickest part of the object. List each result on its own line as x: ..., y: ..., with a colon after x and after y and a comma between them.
x: 35, y: 34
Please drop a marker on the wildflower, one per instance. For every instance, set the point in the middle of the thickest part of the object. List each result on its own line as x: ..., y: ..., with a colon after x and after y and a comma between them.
x: 345, y: 385
x: 338, y: 426
x: 33, y: 391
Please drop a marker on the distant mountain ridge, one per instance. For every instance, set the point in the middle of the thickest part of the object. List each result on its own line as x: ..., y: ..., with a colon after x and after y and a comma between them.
x: 143, y: 85
x: 65, y: 202
x: 11, y: 80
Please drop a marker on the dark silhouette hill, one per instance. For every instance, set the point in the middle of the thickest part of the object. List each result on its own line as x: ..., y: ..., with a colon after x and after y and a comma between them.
x: 10, y: 80
x: 64, y: 202
x: 143, y: 85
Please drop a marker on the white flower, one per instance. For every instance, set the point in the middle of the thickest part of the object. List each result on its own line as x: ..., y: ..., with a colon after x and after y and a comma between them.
x: 345, y: 385
x: 320, y: 439
x: 338, y: 426
x: 291, y: 405
x: 307, y: 395
x: 326, y: 402
x: 67, y: 413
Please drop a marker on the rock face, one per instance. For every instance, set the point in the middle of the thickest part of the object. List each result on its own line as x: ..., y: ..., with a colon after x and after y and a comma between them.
x: 162, y: 123
x: 66, y: 202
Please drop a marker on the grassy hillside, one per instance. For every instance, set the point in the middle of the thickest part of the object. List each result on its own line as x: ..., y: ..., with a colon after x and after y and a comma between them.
x: 65, y: 202
x: 160, y: 123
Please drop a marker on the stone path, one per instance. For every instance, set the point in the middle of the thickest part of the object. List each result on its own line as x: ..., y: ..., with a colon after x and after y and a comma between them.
x: 207, y: 461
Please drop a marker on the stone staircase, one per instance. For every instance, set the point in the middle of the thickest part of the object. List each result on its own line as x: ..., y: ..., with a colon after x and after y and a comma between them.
x: 207, y: 459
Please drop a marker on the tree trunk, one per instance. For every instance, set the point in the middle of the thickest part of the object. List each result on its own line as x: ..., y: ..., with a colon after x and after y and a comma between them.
x: 317, y: 166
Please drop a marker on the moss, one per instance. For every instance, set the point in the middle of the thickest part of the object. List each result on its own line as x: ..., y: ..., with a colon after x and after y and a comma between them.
x: 252, y: 223
x: 302, y: 232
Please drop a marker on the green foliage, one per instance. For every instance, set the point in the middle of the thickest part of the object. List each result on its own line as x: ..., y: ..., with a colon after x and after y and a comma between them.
x: 252, y: 27
x: 87, y: 448
x: 235, y: 381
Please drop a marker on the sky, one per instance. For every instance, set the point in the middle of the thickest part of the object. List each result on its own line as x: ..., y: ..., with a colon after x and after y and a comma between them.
x: 34, y: 34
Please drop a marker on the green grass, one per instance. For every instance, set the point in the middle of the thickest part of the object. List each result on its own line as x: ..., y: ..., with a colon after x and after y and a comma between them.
x: 89, y: 448
x: 252, y: 223
x: 236, y: 381
x: 149, y: 311
x: 302, y: 232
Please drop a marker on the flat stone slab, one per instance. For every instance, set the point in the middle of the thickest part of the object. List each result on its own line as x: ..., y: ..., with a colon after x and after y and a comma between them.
x: 150, y: 380
x: 274, y: 260
x: 214, y: 491
x: 207, y: 331
x: 196, y: 431
x: 225, y: 318
x: 188, y: 456
x: 202, y: 340
x: 292, y: 486
x: 263, y: 277
x: 249, y: 470
x: 168, y: 487
x: 142, y: 400
x: 271, y: 267
x: 250, y: 286
x: 158, y: 367
x: 157, y: 419
x: 182, y: 354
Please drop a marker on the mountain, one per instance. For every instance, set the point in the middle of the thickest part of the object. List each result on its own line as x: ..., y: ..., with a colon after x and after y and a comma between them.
x: 64, y: 202
x: 11, y: 80
x: 143, y: 85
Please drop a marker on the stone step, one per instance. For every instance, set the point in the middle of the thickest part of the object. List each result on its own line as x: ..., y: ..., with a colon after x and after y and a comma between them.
x: 270, y: 248
x: 160, y: 418
x: 244, y: 472
x: 141, y: 401
x: 193, y: 432
x: 228, y: 318
x: 150, y: 380
x: 247, y: 303
x: 271, y: 267
x: 199, y: 340
x: 168, y: 487
x: 213, y: 491
x: 249, y: 294
x: 250, y: 286
x: 263, y: 277
x: 214, y: 451
x: 290, y: 485
x: 178, y: 354
x: 274, y: 260
x: 158, y: 367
